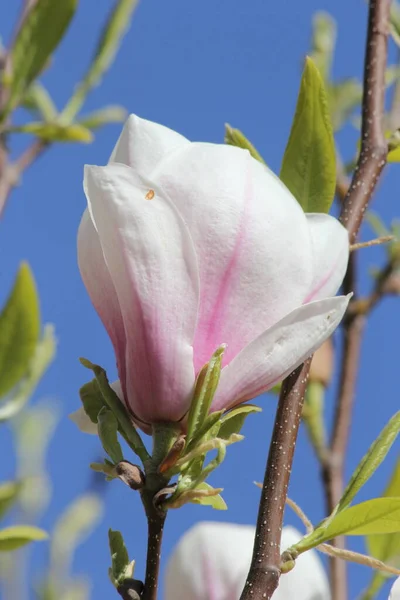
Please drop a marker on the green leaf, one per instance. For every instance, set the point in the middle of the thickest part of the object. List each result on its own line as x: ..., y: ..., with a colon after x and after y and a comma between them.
x: 232, y: 421
x: 74, y: 526
x: 108, y: 434
x: 323, y: 42
x: 40, y: 34
x: 19, y: 330
x: 234, y: 137
x: 111, y: 399
x: 370, y: 461
x: 38, y: 100
x: 16, y: 536
x: 395, y: 21
x: 43, y: 356
x: 92, y: 399
x: 206, y: 385
x: 55, y: 132
x: 120, y: 565
x: 209, y: 428
x: 107, y: 47
x: 309, y: 163
x: 104, y: 116
x: 377, y: 516
x: 8, y: 494
x: 344, y: 97
x: 387, y: 547
x: 213, y: 499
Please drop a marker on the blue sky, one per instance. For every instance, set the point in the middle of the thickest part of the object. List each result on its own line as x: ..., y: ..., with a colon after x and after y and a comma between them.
x: 192, y: 66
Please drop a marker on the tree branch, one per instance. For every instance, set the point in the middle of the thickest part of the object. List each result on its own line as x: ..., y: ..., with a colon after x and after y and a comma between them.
x: 371, y: 161
x: 263, y: 577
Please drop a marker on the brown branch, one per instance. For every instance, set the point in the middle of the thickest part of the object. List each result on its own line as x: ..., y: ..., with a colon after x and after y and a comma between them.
x: 263, y: 577
x: 10, y: 173
x: 371, y: 161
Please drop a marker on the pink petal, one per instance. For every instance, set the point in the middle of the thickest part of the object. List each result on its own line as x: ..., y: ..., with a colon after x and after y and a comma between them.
x: 100, y: 287
x: 330, y: 251
x: 143, y: 144
x: 152, y: 263
x: 279, y: 350
x: 251, y: 238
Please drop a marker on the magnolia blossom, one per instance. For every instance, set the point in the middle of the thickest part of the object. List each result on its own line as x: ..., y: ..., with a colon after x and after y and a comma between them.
x: 395, y: 591
x: 211, y: 562
x: 186, y: 246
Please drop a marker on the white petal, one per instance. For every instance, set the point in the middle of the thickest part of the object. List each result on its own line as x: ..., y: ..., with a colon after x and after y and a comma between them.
x: 100, y: 287
x: 82, y: 421
x: 211, y: 562
x: 252, y: 242
x: 143, y: 144
x: 150, y: 257
x: 330, y: 252
x: 279, y: 350
x: 395, y: 591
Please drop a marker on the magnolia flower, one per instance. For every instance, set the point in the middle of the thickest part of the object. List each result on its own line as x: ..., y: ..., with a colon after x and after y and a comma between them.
x: 211, y: 562
x: 395, y: 591
x: 186, y: 246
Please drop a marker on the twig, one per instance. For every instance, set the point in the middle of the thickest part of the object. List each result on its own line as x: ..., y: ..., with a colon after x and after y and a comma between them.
x: 155, y: 527
x: 371, y: 161
x: 10, y: 173
x: 263, y: 577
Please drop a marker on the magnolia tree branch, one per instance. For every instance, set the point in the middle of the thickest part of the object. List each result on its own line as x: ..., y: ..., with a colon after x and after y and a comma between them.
x: 371, y: 162
x: 263, y: 577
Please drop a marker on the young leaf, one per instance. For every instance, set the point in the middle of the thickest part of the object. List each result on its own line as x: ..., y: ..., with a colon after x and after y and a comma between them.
x: 323, y: 42
x: 108, y: 433
x: 370, y: 461
x: 16, y: 536
x: 73, y: 527
x: 232, y: 421
x: 387, y: 547
x: 309, y: 164
x: 114, y: 403
x: 206, y: 384
x: 119, y: 556
x: 40, y: 34
x: 37, y: 100
x: 377, y: 516
x: 104, y: 116
x: 19, y: 330
x: 209, y: 497
x: 43, y: 356
x: 54, y: 132
x: 8, y: 494
x: 234, y: 137
x: 106, y: 50
x: 344, y: 97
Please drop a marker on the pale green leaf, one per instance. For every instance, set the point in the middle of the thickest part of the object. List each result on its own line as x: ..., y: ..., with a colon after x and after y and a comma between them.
x: 119, y: 556
x: 16, y: 536
x: 232, y: 421
x: 377, y: 516
x: 38, y: 100
x: 214, y: 500
x: 206, y: 385
x: 395, y: 21
x: 107, y: 425
x: 344, y: 98
x: 323, y: 42
x: 387, y: 547
x: 104, y: 116
x: 74, y: 526
x: 234, y: 137
x: 8, y: 494
x: 109, y: 42
x: 43, y: 356
x: 309, y: 163
x: 371, y: 461
x: 40, y: 34
x: 56, y: 132
x: 19, y: 330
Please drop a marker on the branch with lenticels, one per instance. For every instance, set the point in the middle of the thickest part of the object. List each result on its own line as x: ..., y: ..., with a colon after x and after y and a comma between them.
x: 264, y: 573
